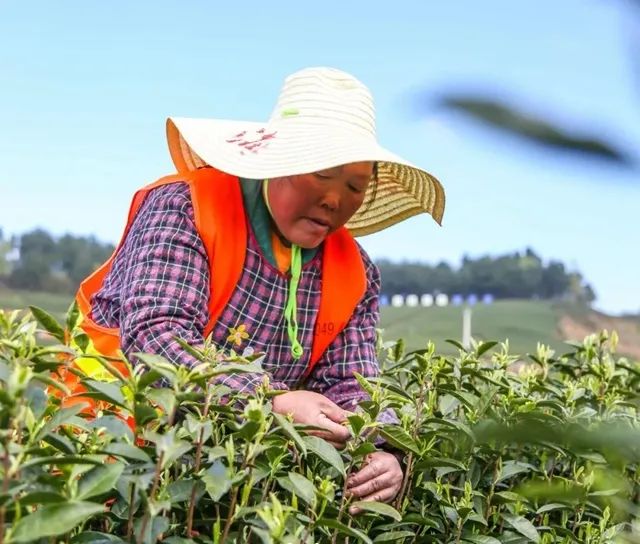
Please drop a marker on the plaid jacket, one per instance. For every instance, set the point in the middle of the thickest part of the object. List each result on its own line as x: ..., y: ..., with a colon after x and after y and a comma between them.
x: 158, y: 288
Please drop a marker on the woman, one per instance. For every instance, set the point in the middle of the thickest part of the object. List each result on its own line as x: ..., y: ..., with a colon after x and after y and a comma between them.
x: 252, y: 243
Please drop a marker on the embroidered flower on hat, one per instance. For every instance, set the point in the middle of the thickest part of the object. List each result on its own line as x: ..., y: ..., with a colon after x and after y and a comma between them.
x: 252, y: 142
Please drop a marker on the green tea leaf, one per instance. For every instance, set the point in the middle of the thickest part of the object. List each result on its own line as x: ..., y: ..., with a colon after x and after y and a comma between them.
x: 107, y: 391
x: 377, y: 508
x: 303, y: 488
x: 53, y: 520
x: 523, y: 526
x: 93, y: 537
x: 59, y: 418
x: 127, y: 451
x: 99, y: 480
x: 553, y: 506
x: 394, y: 536
x: 62, y: 460
x: 480, y: 539
x: 48, y: 323
x: 511, y: 468
x: 344, y: 529
x: 484, y: 347
x: 291, y: 432
x: 159, y: 365
x: 217, y: 480
x: 326, y: 452
x: 399, y: 438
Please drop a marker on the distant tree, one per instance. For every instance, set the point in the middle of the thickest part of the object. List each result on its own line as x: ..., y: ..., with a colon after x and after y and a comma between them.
x: 5, y: 265
x: 514, y: 275
x: 50, y: 264
x: 37, y: 256
x: 79, y: 256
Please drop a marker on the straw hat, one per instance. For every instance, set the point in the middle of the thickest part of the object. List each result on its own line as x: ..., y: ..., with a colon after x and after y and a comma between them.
x: 323, y: 118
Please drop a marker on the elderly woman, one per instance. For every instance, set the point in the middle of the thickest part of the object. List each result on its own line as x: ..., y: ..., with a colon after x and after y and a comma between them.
x: 251, y: 242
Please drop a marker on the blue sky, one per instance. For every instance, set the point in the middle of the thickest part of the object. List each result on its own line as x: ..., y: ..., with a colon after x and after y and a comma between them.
x: 86, y: 87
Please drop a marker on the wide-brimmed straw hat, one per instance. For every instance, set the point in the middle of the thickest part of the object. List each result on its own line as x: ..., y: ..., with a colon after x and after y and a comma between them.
x: 323, y: 118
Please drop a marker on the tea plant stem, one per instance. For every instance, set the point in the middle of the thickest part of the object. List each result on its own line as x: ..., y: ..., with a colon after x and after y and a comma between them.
x: 154, y: 489
x: 494, y: 480
x: 343, y: 504
x: 5, y: 488
x: 132, y: 495
x: 459, y: 531
x: 196, y: 469
x: 409, y: 469
x: 234, y: 498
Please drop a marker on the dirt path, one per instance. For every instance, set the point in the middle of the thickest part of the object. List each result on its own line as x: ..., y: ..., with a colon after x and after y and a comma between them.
x: 628, y: 330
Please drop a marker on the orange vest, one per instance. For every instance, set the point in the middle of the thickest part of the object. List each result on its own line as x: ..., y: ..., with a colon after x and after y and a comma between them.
x: 220, y: 220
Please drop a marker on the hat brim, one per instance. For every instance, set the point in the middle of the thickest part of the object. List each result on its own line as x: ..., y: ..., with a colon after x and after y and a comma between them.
x: 253, y: 151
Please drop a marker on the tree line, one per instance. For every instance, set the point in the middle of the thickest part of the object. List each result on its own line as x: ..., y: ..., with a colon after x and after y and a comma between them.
x: 37, y: 260
x: 515, y: 275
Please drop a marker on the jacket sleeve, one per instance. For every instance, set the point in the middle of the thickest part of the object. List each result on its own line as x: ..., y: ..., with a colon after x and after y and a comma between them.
x: 353, y: 350
x: 161, y: 278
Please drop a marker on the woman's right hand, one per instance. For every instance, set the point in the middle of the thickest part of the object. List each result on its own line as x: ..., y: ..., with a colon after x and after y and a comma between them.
x: 311, y: 408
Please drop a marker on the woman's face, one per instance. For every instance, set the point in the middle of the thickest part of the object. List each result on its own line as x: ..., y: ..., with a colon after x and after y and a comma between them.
x: 308, y: 207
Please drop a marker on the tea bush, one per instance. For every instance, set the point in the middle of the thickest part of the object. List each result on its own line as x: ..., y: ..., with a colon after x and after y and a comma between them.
x: 496, y: 449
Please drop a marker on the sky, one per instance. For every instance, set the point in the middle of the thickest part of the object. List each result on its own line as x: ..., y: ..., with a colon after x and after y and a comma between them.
x: 86, y: 86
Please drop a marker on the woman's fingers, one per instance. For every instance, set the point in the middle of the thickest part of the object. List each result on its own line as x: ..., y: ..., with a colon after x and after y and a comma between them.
x: 335, y: 441
x: 373, y: 486
x: 337, y: 431
x: 373, y: 467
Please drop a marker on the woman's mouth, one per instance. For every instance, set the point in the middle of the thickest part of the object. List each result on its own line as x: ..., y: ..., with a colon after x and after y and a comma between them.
x: 317, y: 225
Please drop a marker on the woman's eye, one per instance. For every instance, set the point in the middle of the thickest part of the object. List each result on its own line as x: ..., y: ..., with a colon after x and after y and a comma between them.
x: 322, y: 175
x: 355, y: 189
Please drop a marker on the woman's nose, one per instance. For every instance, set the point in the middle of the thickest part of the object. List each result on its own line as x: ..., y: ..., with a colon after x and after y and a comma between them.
x: 331, y: 200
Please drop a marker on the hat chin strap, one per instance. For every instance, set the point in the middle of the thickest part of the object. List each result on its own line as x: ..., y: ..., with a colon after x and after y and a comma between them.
x: 291, y: 308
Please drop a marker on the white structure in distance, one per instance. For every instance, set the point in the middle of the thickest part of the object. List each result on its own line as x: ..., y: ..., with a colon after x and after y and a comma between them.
x: 397, y: 301
x: 426, y: 300
x: 412, y: 301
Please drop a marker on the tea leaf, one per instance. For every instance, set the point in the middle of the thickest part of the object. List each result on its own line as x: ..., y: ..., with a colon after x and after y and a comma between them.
x: 93, y: 537
x: 217, y: 480
x: 377, y: 508
x: 480, y: 539
x: 300, y: 486
x: 399, y: 438
x: 553, y: 506
x: 48, y: 323
x: 394, y: 536
x: 105, y: 391
x: 53, y: 520
x: 59, y: 418
x: 523, y: 526
x: 99, y: 480
x: 326, y: 452
x: 344, y: 529
x: 511, y: 468
x: 126, y: 451
x: 291, y: 432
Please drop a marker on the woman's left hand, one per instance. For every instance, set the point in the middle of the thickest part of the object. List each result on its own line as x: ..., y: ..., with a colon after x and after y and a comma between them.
x: 379, y: 479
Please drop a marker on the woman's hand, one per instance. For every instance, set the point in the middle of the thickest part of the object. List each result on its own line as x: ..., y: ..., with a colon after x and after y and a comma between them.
x: 311, y: 408
x: 379, y: 479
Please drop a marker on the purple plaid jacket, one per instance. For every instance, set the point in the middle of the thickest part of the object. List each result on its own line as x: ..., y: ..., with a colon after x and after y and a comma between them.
x: 158, y: 288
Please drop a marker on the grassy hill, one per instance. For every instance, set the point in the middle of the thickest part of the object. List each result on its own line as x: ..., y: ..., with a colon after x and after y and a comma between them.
x: 51, y: 302
x: 523, y: 322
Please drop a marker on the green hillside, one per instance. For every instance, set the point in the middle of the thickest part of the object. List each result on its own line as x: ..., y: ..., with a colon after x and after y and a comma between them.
x: 51, y: 302
x: 523, y: 322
